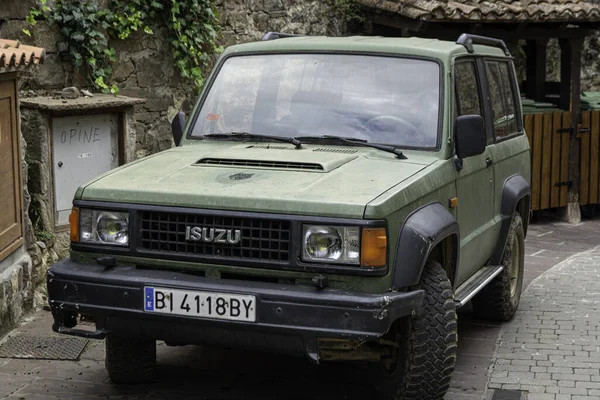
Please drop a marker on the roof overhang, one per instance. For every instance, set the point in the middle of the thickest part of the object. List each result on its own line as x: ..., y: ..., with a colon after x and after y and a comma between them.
x: 15, y: 56
x: 484, y: 11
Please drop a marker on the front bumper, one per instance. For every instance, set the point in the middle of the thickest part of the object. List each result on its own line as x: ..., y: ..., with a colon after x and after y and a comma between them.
x: 289, y: 318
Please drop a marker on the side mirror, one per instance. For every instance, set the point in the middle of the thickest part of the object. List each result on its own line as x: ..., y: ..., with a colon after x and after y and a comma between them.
x: 177, y: 127
x: 469, y: 133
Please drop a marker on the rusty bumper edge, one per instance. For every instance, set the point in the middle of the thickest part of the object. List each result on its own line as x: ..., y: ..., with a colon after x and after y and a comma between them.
x: 114, y: 298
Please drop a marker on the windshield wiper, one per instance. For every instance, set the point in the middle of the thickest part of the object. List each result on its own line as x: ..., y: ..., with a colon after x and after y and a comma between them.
x: 360, y: 142
x: 248, y: 135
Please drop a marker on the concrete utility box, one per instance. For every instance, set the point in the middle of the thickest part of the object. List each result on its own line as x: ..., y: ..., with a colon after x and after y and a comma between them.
x: 83, y: 147
x: 69, y: 143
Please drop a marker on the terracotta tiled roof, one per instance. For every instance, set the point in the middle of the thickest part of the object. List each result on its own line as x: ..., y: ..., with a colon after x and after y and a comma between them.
x: 491, y: 11
x: 14, y: 55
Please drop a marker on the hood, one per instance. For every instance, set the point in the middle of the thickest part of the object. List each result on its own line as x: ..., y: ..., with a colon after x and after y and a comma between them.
x: 315, y: 180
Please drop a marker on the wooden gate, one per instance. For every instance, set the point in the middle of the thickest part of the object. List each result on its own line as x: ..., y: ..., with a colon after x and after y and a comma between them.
x: 589, y: 190
x: 548, y: 135
x: 11, y: 229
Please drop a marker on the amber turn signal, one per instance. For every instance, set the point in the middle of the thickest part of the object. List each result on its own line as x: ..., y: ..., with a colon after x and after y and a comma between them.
x: 374, y: 247
x: 74, y: 224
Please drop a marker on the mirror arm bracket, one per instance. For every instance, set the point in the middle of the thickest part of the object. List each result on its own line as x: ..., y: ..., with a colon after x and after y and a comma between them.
x: 458, y: 164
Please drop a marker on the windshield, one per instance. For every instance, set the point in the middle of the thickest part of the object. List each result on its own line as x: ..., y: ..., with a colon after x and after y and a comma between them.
x: 386, y: 100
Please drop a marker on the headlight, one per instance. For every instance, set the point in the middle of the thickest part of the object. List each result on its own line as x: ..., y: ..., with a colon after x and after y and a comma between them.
x: 104, y: 227
x: 351, y: 245
x: 334, y: 244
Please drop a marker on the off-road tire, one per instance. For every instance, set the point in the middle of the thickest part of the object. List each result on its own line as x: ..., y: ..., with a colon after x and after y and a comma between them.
x: 427, y: 343
x: 495, y: 302
x: 130, y: 360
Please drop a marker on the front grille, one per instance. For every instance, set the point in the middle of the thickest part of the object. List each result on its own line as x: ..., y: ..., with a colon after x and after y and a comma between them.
x: 261, y: 239
x: 261, y: 163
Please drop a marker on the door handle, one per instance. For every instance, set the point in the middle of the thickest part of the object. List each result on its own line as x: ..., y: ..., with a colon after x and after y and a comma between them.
x: 488, y: 162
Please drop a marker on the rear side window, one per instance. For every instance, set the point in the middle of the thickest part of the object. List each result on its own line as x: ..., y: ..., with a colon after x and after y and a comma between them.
x: 503, y: 99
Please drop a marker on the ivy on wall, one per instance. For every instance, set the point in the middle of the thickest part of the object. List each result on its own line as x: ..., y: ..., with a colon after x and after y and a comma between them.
x: 193, y: 29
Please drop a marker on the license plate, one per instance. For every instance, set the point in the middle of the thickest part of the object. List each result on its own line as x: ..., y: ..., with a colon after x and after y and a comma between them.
x: 190, y: 303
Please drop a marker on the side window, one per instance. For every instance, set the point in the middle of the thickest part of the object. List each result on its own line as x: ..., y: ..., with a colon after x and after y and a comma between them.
x: 503, y: 99
x: 467, y: 90
x: 468, y: 97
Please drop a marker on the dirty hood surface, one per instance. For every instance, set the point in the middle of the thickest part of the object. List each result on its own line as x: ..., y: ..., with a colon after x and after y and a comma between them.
x: 342, y: 186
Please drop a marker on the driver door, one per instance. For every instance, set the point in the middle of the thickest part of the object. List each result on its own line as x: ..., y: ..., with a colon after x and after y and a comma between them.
x: 475, y: 182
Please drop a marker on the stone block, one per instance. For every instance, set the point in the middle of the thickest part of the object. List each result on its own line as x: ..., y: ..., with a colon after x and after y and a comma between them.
x: 273, y: 5
x: 157, y: 138
x: 131, y: 45
x: 278, y: 14
x: 13, y: 29
x: 16, y: 9
x: 229, y: 38
x: 45, y: 36
x: 147, y: 117
x: 158, y: 103
x: 38, y: 178
x: 51, y: 75
x: 237, y: 20
x: 122, y: 70
x: 60, y: 250
x: 261, y: 21
x: 152, y: 72
x: 16, y: 291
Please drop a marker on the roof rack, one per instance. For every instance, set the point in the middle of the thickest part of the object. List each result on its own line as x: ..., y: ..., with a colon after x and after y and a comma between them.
x: 467, y: 40
x: 279, y: 35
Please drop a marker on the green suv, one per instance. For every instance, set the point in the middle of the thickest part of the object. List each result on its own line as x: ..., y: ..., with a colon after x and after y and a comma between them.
x: 338, y: 198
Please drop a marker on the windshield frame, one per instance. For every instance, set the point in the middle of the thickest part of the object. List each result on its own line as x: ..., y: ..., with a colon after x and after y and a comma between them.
x: 217, y: 70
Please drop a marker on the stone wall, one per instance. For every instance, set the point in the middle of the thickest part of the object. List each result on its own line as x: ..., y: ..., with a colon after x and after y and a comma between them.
x: 22, y: 279
x: 144, y: 66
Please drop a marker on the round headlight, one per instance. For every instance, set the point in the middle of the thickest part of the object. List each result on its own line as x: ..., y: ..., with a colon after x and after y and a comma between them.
x: 112, y: 228
x: 323, y: 243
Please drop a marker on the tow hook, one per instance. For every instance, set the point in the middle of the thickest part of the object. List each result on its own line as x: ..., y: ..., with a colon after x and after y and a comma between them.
x: 320, y: 281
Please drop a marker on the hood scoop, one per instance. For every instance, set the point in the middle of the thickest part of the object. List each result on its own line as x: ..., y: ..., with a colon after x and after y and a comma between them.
x: 260, y: 164
x: 334, y: 150
x: 271, y: 147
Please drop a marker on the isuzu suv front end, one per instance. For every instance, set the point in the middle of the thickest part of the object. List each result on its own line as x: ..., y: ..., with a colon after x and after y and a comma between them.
x: 193, y: 276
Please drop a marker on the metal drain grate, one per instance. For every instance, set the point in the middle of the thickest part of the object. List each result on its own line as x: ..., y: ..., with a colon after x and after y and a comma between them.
x: 508, y: 395
x: 43, y: 348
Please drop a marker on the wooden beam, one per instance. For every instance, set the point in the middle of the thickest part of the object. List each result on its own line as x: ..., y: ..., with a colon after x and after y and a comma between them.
x: 565, y: 75
x: 536, y: 52
x: 571, y: 52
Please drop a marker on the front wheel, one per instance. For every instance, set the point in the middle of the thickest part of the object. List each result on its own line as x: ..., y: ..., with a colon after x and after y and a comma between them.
x: 130, y: 360
x: 422, y: 362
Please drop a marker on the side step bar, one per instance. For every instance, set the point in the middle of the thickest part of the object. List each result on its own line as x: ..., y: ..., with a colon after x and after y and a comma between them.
x: 474, y: 284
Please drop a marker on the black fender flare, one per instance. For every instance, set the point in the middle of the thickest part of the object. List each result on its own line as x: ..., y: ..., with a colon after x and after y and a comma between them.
x: 424, y: 229
x: 516, y: 188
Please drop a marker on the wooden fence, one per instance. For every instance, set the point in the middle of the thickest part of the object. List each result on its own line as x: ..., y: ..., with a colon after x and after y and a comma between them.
x: 549, y: 158
x: 549, y: 138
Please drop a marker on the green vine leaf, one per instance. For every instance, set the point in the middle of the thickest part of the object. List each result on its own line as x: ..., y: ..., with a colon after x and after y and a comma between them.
x: 192, y: 26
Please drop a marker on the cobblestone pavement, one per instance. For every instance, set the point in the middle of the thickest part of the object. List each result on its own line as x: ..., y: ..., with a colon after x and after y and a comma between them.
x: 552, y: 347
x: 201, y: 373
x: 548, y: 243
